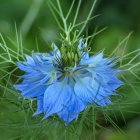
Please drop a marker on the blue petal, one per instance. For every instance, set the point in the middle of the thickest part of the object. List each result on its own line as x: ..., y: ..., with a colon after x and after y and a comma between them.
x: 30, y: 60
x: 39, y: 106
x: 103, y: 101
x: 56, y: 97
x: 85, y: 55
x: 33, y: 76
x: 24, y: 67
x: 93, y: 61
x: 72, y: 109
x: 40, y: 59
x: 90, y: 91
x: 84, y: 89
x: 115, y: 82
x: 30, y: 89
x: 57, y: 51
x: 81, y: 44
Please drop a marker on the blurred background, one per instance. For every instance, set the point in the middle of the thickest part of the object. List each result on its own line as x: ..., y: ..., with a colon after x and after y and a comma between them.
x: 38, y: 28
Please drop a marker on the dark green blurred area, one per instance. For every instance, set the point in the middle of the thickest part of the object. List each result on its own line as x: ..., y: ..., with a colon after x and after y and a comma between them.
x: 37, y: 24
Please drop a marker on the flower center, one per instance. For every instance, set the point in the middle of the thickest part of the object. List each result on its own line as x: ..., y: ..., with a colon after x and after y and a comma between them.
x: 70, y: 56
x: 69, y: 73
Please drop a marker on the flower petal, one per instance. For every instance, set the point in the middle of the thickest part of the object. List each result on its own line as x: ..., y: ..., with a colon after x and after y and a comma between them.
x: 56, y: 98
x: 39, y: 106
x: 32, y: 89
x: 71, y: 110
x: 92, y: 61
x: 84, y: 89
x: 91, y: 92
x: 56, y: 51
x: 81, y: 44
x: 30, y: 60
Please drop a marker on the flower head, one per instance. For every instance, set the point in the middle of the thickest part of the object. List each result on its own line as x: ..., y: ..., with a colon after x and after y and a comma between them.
x: 66, y: 80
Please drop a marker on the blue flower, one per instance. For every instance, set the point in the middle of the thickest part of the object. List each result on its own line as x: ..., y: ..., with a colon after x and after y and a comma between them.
x: 67, y: 80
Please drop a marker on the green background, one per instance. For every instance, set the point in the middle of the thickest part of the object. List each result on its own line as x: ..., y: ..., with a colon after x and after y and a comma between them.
x: 38, y: 26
